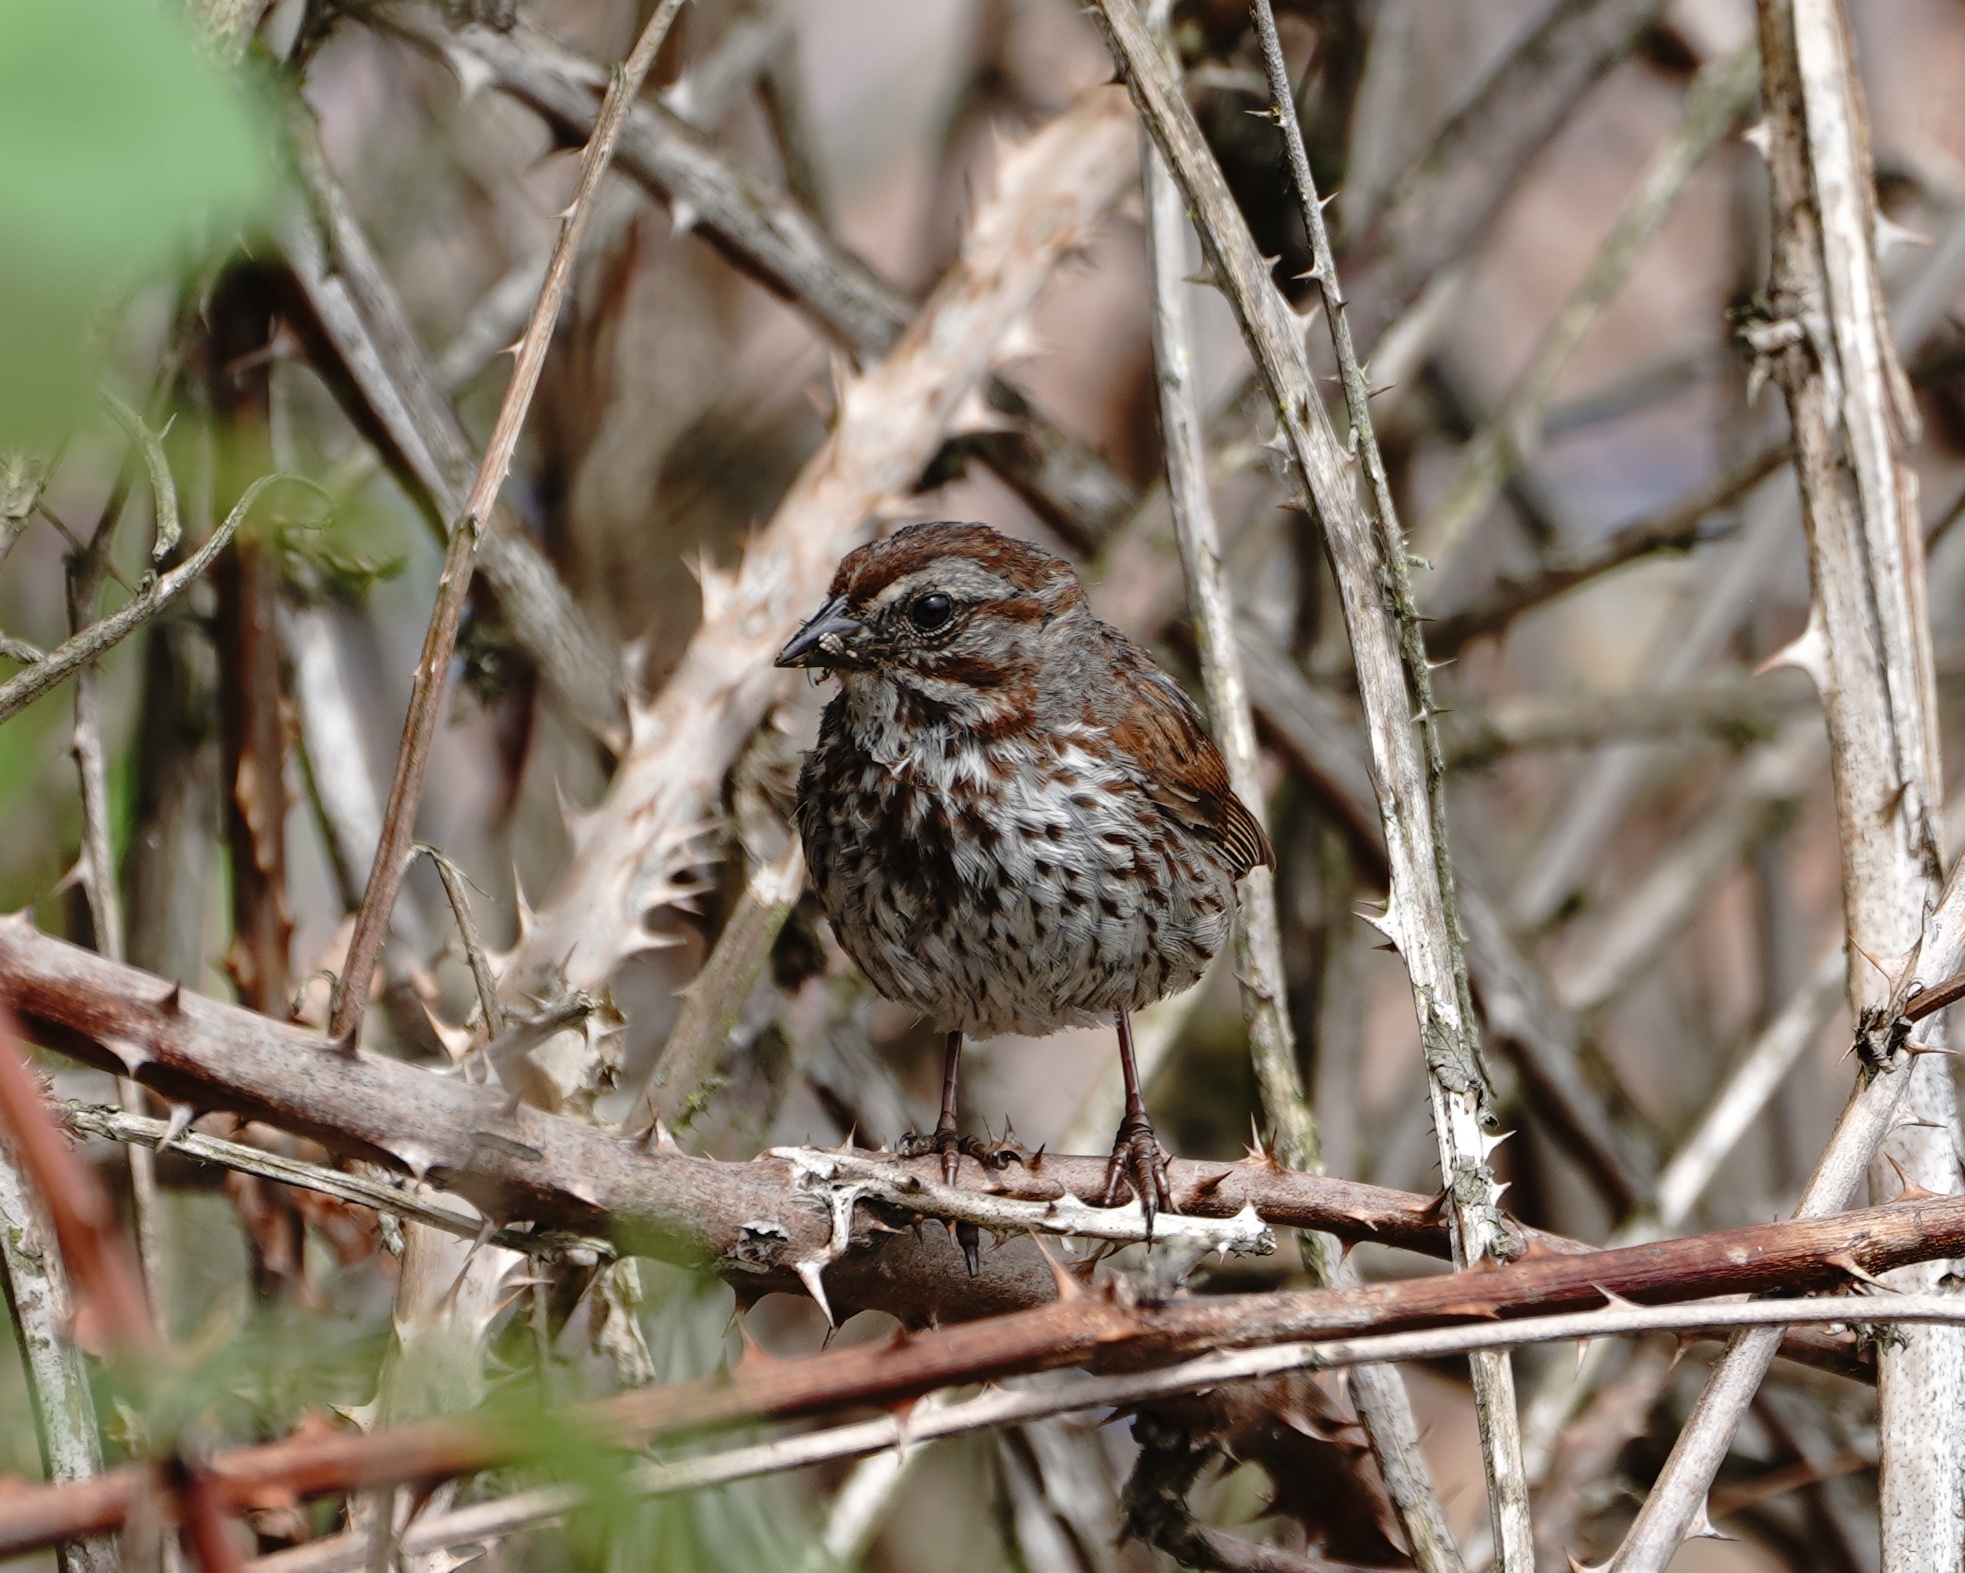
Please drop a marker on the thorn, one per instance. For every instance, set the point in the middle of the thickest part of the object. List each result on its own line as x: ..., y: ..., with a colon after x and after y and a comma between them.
x: 1891, y: 235
x: 1701, y: 1528
x: 1760, y: 137
x: 1809, y: 653
x: 1855, y: 1269
x: 753, y: 1353
x: 172, y: 1004
x: 1062, y: 1279
x: 182, y: 1114
x: 1208, y: 1184
x: 810, y: 1273
x: 1613, y: 1301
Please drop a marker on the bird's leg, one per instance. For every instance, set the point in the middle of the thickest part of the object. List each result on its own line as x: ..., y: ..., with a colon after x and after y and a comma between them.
x: 1137, y: 1157
x: 947, y: 1139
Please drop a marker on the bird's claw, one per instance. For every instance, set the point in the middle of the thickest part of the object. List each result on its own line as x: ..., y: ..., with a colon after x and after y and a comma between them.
x: 953, y: 1145
x: 1138, y: 1164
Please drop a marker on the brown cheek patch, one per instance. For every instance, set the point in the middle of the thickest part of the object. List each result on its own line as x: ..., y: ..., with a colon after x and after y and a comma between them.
x: 972, y: 671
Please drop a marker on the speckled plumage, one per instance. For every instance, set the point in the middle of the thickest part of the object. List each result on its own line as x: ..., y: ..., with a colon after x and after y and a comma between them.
x: 1016, y: 822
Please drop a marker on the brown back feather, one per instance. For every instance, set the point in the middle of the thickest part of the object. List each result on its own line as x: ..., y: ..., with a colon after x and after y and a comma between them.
x: 1183, y: 772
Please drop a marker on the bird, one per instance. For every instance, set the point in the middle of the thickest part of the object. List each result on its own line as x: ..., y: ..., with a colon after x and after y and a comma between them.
x: 1014, y: 820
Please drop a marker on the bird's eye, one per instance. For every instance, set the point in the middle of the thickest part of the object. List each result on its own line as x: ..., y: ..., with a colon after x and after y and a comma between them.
x: 930, y: 613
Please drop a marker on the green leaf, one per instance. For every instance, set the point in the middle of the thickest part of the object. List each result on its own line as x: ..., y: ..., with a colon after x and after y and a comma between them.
x: 119, y: 144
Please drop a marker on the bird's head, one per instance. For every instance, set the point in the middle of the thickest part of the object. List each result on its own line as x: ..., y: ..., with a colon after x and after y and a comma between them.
x: 955, y: 614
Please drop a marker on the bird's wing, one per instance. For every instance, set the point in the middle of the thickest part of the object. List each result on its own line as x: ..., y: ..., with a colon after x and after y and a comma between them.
x: 1179, y: 767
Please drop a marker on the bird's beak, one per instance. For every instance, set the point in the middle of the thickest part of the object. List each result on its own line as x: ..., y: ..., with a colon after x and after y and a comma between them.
x: 827, y: 640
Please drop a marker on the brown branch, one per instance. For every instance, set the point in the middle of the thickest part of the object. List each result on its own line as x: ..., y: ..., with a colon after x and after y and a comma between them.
x: 108, y: 1293
x: 433, y: 669
x: 1106, y: 1333
x: 252, y: 728
x: 746, y: 1220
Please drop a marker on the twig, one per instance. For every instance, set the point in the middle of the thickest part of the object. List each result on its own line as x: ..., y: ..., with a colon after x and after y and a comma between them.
x: 1258, y: 956
x: 1368, y: 556
x: 23, y: 688
x: 1678, y: 526
x: 476, y: 956
x: 781, y: 94
x: 1321, y: 738
x: 433, y: 669
x: 700, y: 97
x: 1718, y: 97
x: 140, y: 1130
x: 87, y: 571
x: 1380, y: 1397
x: 862, y: 1501
x: 163, y: 485
x: 632, y: 851
x: 1746, y: 1092
x: 335, y: 752
x: 57, y: 1377
x: 1545, y: 1041
x: 1586, y: 820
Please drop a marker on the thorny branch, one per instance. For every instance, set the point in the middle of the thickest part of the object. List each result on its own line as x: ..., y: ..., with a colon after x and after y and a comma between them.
x: 26, y: 686
x: 1422, y: 915
x: 1502, y: 1306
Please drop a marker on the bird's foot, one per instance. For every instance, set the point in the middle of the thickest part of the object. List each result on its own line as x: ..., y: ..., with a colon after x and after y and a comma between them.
x: 954, y: 1146
x: 1138, y: 1164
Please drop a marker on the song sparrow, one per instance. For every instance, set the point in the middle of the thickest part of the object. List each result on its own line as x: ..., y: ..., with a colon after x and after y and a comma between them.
x: 1015, y: 820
